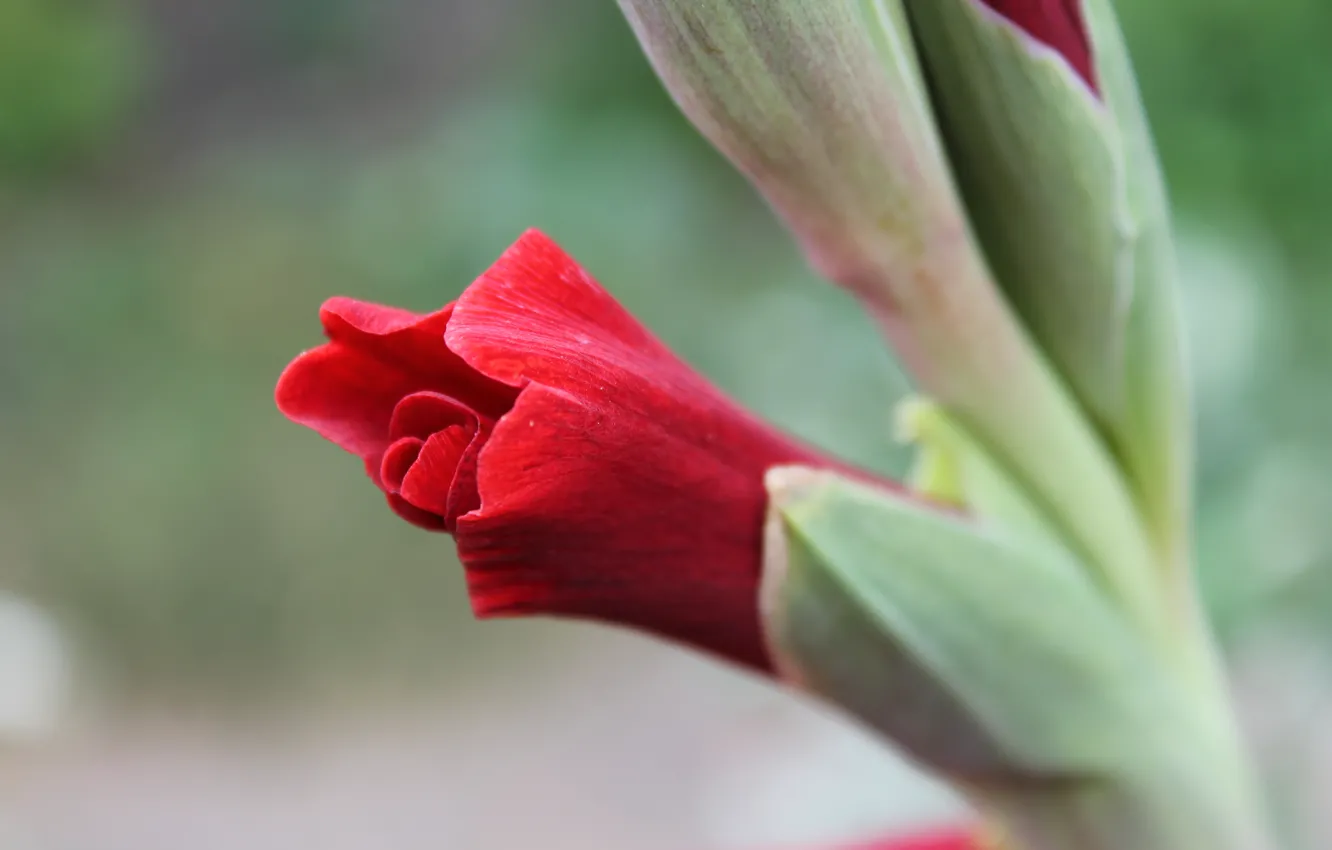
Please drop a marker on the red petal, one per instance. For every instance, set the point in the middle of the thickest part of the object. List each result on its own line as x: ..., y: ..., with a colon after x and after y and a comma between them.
x: 413, y: 345
x: 397, y: 462
x: 622, y: 486
x: 343, y: 317
x: 955, y: 839
x: 425, y: 413
x: 536, y: 315
x: 424, y: 519
x: 593, y: 510
x: 345, y: 394
x: 464, y: 497
x: 432, y: 478
x: 1059, y: 25
x: 347, y: 389
x: 386, y: 373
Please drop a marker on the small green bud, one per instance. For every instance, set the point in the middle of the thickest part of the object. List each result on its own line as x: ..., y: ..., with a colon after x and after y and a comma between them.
x: 793, y: 92
x: 953, y: 468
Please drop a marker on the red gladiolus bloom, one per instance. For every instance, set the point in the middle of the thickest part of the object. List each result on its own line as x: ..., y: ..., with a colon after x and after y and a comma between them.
x: 1058, y: 24
x: 581, y: 467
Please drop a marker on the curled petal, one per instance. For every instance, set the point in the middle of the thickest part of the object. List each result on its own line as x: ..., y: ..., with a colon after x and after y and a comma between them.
x: 422, y: 414
x: 397, y: 462
x: 431, y: 480
x: 348, y: 389
x: 345, y: 394
x: 421, y: 518
x: 413, y: 344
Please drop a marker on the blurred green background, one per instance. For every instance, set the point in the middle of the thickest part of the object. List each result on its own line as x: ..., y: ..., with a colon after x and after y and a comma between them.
x: 183, y: 181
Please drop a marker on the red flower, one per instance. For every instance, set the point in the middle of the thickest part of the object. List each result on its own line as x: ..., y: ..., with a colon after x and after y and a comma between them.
x: 943, y: 840
x: 1059, y: 25
x: 581, y: 467
x: 940, y: 839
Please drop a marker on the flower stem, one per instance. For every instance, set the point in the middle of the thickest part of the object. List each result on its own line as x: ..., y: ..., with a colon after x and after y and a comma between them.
x: 1189, y: 786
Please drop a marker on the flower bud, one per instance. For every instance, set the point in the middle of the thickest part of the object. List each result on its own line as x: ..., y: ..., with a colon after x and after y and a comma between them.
x: 822, y: 105
x: 793, y: 93
x: 1041, y: 120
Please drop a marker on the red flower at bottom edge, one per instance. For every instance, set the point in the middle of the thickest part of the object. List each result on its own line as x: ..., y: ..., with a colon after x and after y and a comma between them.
x: 942, y: 840
x: 581, y: 467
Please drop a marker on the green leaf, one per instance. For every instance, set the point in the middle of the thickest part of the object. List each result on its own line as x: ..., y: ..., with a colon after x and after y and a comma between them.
x: 985, y: 653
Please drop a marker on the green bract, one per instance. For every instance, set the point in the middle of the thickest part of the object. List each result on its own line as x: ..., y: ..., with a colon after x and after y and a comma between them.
x: 991, y: 656
x: 1065, y: 195
x: 948, y: 634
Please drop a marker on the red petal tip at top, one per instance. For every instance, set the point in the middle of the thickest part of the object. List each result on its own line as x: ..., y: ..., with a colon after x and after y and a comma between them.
x: 1058, y: 24
x: 581, y: 467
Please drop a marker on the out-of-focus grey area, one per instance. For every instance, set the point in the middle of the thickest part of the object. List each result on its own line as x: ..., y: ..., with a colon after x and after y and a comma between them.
x: 212, y: 632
